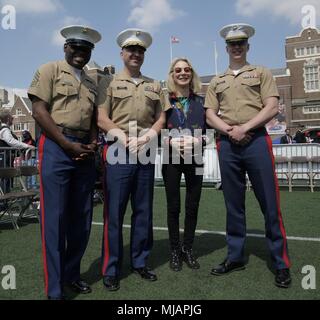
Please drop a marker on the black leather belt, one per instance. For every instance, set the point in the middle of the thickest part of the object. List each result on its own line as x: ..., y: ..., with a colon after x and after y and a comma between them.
x: 74, y: 133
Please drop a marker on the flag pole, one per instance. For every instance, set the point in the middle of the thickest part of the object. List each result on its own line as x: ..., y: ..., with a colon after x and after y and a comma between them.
x: 215, y: 58
x: 170, y: 49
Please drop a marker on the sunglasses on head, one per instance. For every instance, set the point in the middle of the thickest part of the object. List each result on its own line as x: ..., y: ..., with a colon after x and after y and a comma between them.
x: 179, y: 70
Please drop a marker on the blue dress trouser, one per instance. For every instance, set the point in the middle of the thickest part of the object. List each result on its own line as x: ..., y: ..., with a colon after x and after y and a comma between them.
x: 66, y: 190
x: 256, y: 159
x: 123, y: 182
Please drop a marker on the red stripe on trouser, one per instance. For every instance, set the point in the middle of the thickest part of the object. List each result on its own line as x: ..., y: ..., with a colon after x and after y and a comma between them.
x: 218, y: 142
x: 44, y: 254
x: 282, y: 229
x: 104, y: 153
x: 105, y: 214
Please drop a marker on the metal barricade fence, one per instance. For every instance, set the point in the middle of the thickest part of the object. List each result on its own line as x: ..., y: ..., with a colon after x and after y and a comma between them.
x: 19, y: 187
x: 211, y: 173
x: 11, y: 157
x: 299, y: 150
x: 299, y: 163
x: 291, y: 152
x: 308, y: 150
x: 14, y: 158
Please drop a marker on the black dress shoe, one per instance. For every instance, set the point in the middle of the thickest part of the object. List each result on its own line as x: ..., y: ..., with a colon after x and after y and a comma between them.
x: 145, y: 273
x: 189, y: 259
x: 111, y: 283
x: 283, y: 278
x: 79, y: 286
x: 226, y: 267
x: 175, y: 260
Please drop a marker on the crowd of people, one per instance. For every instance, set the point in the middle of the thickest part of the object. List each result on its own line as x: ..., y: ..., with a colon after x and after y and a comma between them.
x: 299, y: 137
x: 132, y: 110
x: 12, y: 150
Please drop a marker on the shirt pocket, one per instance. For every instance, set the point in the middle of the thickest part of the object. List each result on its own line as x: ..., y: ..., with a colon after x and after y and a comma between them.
x: 122, y: 103
x: 121, y: 94
x: 66, y: 90
x: 152, y: 98
x: 221, y: 90
x: 251, y: 84
x: 66, y: 96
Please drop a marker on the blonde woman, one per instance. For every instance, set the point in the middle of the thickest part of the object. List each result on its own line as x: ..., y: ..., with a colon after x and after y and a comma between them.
x: 184, y: 114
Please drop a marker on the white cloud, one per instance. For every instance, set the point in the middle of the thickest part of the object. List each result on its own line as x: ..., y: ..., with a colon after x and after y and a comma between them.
x: 57, y: 38
x: 151, y: 14
x: 288, y: 9
x: 33, y: 6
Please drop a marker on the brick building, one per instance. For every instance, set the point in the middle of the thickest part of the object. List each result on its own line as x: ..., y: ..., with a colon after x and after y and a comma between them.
x: 22, y: 117
x: 303, y: 61
x: 96, y: 72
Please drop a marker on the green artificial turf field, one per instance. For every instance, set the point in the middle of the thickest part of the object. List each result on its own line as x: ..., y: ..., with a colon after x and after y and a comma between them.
x: 300, y: 210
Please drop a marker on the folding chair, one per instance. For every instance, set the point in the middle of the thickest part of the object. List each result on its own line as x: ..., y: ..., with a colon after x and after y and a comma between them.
x: 27, y: 171
x: 11, y: 199
x: 34, y: 205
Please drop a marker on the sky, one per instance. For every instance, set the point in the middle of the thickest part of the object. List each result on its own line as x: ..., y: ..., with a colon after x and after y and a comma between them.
x: 196, y: 23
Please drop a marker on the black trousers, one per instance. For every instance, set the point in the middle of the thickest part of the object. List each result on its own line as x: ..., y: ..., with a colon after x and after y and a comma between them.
x: 172, y: 177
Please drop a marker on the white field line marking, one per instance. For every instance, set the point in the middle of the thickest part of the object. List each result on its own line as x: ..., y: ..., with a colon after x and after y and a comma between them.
x: 221, y: 233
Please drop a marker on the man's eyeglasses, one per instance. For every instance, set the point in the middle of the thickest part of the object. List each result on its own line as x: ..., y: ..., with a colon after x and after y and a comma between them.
x: 186, y: 70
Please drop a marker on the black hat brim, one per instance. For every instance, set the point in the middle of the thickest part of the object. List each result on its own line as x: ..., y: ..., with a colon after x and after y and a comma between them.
x: 80, y: 43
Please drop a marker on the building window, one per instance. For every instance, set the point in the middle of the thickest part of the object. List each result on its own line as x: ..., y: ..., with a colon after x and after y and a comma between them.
x: 17, y: 127
x: 309, y: 51
x: 18, y: 112
x: 299, y: 52
x: 311, y: 109
x: 311, y: 76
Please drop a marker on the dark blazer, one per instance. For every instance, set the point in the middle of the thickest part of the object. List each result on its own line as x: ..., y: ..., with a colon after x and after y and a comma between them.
x: 284, y: 139
x: 194, y: 119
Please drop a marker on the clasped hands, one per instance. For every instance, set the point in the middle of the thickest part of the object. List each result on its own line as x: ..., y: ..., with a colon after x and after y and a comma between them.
x: 239, y: 136
x: 81, y: 152
x: 136, y: 144
x: 184, y: 144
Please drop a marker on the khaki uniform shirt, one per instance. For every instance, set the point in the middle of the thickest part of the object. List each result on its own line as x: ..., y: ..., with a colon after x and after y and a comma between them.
x: 71, y: 102
x: 239, y: 98
x: 125, y: 101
